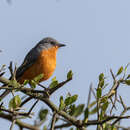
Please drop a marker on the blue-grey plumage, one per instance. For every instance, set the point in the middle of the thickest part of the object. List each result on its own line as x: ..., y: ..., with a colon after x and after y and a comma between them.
x: 40, y: 50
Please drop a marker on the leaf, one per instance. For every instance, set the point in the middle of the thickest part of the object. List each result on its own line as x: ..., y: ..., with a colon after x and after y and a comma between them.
x: 128, y: 76
x: 43, y: 114
x: 54, y: 79
x: 78, y: 110
x: 126, y: 67
x: 69, y: 75
x: 94, y: 110
x: 105, y: 106
x: 32, y: 83
x: 101, y: 80
x: 99, y: 92
x: 25, y: 82
x: 70, y: 100
x: 2, y: 68
x: 92, y: 104
x: 45, y: 127
x: 119, y: 71
x: 38, y: 78
x: 53, y: 84
x: 62, y: 105
x: 104, y: 99
x: 101, y: 83
x: 72, y: 109
x: 86, y: 114
x: 15, y: 102
x: 35, y: 81
x: 101, y: 76
x: 13, y: 83
x: 127, y: 82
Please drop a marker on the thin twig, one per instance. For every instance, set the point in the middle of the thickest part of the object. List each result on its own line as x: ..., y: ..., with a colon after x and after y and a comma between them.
x: 12, y: 125
x: 52, y: 90
x: 15, y: 113
x: 113, y: 103
x: 89, y: 95
x: 112, y: 75
x: 42, y: 86
x: 53, y: 121
x: 18, y: 122
x: 32, y: 107
x: 25, y: 101
x: 11, y: 69
x: 121, y: 101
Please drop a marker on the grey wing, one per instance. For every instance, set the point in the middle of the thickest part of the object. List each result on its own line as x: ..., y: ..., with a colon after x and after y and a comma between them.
x: 29, y: 60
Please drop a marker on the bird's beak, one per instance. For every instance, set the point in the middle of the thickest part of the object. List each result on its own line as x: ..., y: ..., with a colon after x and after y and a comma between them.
x: 60, y: 45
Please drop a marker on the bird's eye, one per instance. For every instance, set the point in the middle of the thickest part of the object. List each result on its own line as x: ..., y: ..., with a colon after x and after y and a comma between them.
x: 52, y: 43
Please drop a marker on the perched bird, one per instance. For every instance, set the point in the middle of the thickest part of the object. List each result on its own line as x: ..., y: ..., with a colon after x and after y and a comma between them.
x: 40, y: 60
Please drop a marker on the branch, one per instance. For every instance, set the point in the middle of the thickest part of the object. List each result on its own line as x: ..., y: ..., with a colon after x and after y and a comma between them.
x: 12, y: 125
x: 72, y: 120
x: 95, y: 122
x: 52, y: 90
x: 53, y: 121
x: 63, y: 126
x: 18, y: 122
x: 25, y: 101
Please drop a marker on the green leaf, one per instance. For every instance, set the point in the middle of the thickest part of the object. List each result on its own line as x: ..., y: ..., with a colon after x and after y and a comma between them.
x: 53, y: 79
x: 86, y: 114
x: 45, y: 127
x: 127, y: 82
x: 126, y: 67
x: 43, y: 114
x: 128, y: 76
x: 99, y: 92
x: 119, y: 71
x: 25, y: 82
x: 104, y: 99
x: 53, y: 84
x: 113, y: 127
x: 101, y: 83
x: 101, y: 76
x: 72, y: 109
x: 33, y: 83
x: 13, y: 83
x: 70, y: 100
x: 15, y: 102
x: 70, y: 74
x: 105, y: 106
x: 62, y: 105
x: 101, y: 80
x: 94, y: 110
x: 92, y: 104
x: 38, y: 78
x: 78, y: 110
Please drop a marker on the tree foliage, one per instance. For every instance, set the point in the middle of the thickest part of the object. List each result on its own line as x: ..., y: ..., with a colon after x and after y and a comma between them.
x: 101, y: 103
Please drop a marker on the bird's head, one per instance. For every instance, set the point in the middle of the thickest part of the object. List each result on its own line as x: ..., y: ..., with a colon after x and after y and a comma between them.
x: 49, y: 42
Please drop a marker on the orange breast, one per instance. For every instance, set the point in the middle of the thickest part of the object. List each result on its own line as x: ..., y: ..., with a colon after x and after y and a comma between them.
x: 45, y: 65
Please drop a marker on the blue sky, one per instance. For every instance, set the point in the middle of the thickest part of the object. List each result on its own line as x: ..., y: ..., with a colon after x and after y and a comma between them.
x: 97, y: 34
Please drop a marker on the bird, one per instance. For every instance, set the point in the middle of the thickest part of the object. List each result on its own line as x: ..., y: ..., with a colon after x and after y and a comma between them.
x: 41, y: 59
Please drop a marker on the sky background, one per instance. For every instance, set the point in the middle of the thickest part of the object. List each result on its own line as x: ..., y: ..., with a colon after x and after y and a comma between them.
x: 96, y: 32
